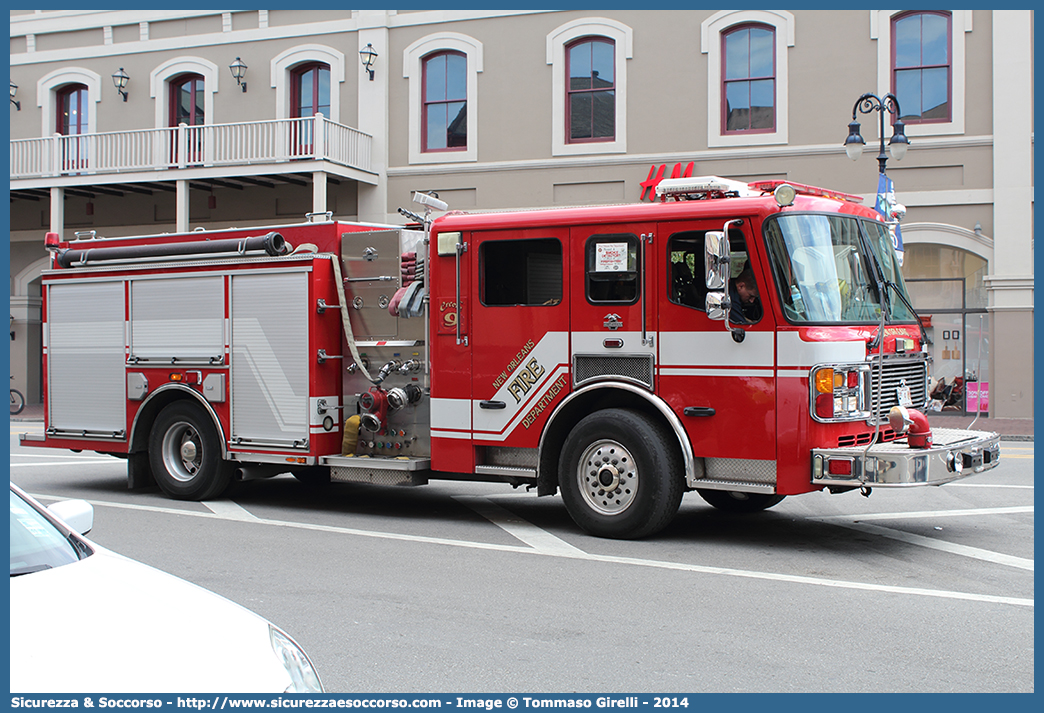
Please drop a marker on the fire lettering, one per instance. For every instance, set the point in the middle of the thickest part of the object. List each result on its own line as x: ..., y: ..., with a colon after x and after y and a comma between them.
x: 527, y: 377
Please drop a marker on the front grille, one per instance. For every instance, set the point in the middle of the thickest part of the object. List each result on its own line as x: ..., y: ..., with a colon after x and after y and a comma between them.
x: 914, y: 371
x: 862, y: 439
x: 637, y: 369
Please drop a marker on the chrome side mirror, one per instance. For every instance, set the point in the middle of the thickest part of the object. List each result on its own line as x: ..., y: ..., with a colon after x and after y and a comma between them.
x: 716, y: 259
x: 718, y: 305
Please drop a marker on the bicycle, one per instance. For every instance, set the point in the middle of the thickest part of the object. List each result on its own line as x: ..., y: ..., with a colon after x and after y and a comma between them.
x: 17, y: 401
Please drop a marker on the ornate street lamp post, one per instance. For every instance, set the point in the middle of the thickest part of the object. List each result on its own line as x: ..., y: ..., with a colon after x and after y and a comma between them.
x: 897, y: 145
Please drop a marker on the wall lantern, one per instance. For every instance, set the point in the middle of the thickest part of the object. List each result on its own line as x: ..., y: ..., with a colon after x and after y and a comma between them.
x: 238, y: 69
x: 120, y: 79
x: 368, y: 55
x: 14, y: 90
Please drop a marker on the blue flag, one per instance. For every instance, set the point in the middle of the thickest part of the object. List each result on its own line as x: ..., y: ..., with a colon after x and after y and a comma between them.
x: 886, y: 206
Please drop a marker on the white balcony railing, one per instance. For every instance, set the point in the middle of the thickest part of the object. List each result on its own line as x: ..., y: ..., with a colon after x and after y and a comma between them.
x: 250, y: 143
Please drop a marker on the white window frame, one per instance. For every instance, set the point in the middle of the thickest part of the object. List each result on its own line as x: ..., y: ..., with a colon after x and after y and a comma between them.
x: 622, y: 37
x: 960, y: 25
x: 159, y: 86
x: 47, y: 91
x: 712, y: 31
x: 283, y: 64
x: 413, y: 71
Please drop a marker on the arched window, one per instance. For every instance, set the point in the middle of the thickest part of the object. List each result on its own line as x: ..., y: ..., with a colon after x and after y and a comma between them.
x: 186, y: 100
x: 748, y: 77
x: 922, y: 66
x: 309, y: 95
x: 591, y: 90
x: 72, y: 120
x: 72, y: 110
x: 445, y: 102
x: 310, y: 90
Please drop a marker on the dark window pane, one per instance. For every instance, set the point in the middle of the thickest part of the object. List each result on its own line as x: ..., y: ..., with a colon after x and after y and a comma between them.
x: 457, y: 130
x: 535, y: 269
x: 580, y: 116
x: 604, y: 114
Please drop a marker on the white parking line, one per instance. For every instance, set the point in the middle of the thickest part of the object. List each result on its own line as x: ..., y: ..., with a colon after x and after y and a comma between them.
x: 228, y: 510
x: 540, y: 540
x: 82, y: 461
x: 575, y: 553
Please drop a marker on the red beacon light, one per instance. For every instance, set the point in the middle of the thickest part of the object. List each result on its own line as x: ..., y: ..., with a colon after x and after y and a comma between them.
x: 52, y: 242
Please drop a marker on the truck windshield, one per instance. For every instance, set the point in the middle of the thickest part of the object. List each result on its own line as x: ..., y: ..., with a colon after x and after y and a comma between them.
x: 825, y: 267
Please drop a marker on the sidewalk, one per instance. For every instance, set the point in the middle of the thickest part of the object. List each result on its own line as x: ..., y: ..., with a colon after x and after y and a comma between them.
x: 1010, y: 429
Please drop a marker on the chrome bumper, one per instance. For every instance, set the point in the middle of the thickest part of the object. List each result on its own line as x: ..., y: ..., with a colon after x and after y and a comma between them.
x: 954, y: 454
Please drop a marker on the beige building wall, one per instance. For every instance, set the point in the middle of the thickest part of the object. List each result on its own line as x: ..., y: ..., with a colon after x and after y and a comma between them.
x: 966, y: 185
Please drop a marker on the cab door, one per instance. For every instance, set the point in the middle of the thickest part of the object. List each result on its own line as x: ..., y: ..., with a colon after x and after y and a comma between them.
x: 613, y: 302
x: 519, y: 336
x: 723, y: 390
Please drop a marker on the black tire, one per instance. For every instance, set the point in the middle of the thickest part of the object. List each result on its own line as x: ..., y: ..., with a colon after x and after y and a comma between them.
x: 620, y: 475
x: 185, y: 454
x: 733, y: 501
x: 17, y: 402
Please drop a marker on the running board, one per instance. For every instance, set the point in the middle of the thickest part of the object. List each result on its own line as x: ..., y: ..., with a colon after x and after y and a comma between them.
x: 735, y: 486
x: 379, y: 471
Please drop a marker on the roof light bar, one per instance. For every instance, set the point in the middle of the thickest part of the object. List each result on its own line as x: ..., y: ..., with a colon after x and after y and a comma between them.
x: 702, y: 187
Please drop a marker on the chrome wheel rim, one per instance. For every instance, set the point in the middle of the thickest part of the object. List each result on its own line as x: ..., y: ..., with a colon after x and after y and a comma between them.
x: 608, y: 477
x: 182, y: 452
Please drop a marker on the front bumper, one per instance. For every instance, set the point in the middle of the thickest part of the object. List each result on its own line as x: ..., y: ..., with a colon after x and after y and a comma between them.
x: 954, y: 454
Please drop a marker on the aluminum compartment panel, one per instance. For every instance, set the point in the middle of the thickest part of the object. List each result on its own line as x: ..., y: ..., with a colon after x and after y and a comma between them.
x: 269, y: 383
x: 87, y: 387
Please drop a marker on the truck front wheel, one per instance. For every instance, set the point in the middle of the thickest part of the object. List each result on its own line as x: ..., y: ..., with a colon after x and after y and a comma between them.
x: 185, y: 454
x: 620, y: 475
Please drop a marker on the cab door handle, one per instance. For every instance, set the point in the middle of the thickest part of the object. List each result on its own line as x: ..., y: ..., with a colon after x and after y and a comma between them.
x: 494, y: 405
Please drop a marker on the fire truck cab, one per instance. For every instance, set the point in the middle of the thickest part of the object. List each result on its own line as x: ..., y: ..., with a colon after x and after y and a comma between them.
x: 747, y: 341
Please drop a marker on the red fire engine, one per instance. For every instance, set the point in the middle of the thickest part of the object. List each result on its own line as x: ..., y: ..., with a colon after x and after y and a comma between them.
x: 747, y: 341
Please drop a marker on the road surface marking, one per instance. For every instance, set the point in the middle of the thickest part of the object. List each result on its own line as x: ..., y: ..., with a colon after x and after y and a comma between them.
x: 537, y: 538
x: 581, y: 555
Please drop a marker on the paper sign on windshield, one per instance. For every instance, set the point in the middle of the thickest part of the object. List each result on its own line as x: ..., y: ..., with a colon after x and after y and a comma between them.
x: 611, y: 257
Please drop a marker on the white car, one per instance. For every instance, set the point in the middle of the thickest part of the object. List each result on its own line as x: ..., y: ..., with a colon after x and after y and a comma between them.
x: 85, y: 620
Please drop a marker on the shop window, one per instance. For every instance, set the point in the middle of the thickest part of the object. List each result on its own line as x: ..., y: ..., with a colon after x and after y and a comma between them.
x: 521, y: 272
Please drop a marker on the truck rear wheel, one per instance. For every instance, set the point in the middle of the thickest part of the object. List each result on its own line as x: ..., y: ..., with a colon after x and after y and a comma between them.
x: 620, y: 475
x: 185, y: 454
x: 734, y: 501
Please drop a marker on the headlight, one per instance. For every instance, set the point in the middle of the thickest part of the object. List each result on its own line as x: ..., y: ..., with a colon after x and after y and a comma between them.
x: 838, y: 393
x: 303, y: 677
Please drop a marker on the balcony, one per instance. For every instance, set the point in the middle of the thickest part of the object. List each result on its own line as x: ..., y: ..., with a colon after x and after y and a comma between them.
x: 277, y: 146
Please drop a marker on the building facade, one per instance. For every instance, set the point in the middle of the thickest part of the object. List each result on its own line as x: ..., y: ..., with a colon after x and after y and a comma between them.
x: 144, y: 121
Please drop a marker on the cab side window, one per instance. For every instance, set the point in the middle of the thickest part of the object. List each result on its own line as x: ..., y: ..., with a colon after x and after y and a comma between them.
x: 612, y: 269
x: 521, y: 272
x: 688, y: 286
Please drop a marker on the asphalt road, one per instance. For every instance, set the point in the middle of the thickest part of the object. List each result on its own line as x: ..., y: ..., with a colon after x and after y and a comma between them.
x: 473, y: 588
